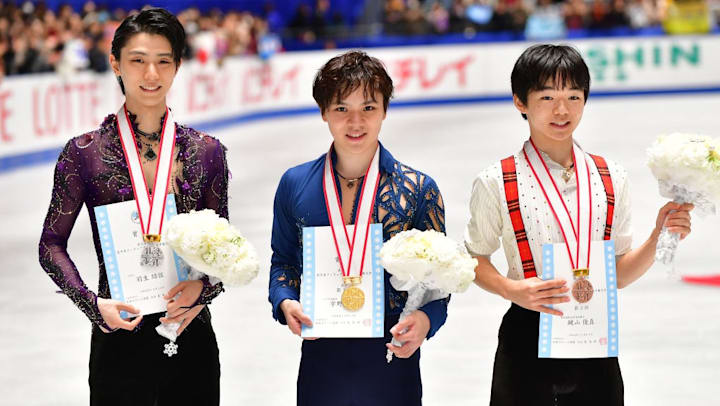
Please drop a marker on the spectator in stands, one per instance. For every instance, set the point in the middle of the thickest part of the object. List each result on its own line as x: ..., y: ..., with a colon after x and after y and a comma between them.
x: 439, y: 18
x: 576, y: 14
x: 96, y: 58
x: 237, y: 33
x: 509, y: 15
x: 415, y: 21
x: 274, y: 18
x: 22, y: 58
x: 617, y: 17
x: 714, y: 6
x: 458, y: 22
x: 479, y: 12
x: 268, y: 43
x: 641, y: 13
x: 598, y: 15
x: 320, y: 18
x: 336, y: 29
x: 394, y: 21
x: 75, y: 51
x: 301, y: 25
x: 205, y: 41
x: 546, y: 22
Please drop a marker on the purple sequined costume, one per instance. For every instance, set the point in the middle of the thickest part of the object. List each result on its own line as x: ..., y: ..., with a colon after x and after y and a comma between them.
x: 92, y: 170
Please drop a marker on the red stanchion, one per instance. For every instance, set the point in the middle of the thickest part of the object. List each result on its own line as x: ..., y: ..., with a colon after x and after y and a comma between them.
x: 711, y: 280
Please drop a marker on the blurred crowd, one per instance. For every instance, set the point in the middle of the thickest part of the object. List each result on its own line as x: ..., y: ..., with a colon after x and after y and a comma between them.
x: 36, y: 39
x: 532, y: 19
x: 412, y: 17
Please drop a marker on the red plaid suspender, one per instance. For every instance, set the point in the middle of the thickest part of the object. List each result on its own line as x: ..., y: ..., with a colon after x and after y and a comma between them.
x: 609, y: 192
x: 513, y: 203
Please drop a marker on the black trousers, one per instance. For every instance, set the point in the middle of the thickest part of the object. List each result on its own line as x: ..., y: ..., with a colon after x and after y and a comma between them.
x: 521, y: 378
x: 354, y: 372
x: 130, y: 369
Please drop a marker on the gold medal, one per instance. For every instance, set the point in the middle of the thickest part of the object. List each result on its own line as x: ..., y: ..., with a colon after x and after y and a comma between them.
x: 582, y: 289
x: 353, y: 298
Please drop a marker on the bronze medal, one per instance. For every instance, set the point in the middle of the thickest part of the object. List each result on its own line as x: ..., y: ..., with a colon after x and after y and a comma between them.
x: 353, y: 298
x: 582, y: 289
x: 576, y: 232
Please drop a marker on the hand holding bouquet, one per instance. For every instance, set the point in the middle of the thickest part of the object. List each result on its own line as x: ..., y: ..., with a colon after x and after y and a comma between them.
x: 687, y: 167
x: 211, y: 246
x: 428, y: 265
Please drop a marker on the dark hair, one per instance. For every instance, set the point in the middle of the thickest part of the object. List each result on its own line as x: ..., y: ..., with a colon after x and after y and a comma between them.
x: 344, y: 73
x: 151, y: 21
x: 540, y: 63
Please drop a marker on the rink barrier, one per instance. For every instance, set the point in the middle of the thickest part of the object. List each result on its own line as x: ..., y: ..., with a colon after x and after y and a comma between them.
x: 18, y: 161
x: 39, y: 113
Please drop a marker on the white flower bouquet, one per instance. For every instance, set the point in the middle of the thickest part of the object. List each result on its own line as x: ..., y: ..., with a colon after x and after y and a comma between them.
x: 428, y: 265
x: 211, y: 246
x: 687, y: 167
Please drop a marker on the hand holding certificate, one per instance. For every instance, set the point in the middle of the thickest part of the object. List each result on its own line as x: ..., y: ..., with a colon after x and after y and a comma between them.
x: 141, y: 286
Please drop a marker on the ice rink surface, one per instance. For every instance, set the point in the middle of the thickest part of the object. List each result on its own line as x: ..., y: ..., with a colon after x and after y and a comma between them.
x: 669, y: 331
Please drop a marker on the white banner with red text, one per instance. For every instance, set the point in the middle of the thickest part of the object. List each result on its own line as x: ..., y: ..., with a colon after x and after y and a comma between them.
x: 41, y: 112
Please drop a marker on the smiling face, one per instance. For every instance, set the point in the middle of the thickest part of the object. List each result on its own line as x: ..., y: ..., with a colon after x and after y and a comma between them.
x: 553, y: 112
x: 147, y: 69
x: 355, y: 121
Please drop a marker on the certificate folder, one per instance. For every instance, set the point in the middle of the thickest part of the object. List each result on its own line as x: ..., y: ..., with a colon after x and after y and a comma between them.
x: 122, y: 243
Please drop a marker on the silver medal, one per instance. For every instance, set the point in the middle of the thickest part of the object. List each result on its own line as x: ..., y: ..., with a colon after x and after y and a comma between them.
x: 151, y: 255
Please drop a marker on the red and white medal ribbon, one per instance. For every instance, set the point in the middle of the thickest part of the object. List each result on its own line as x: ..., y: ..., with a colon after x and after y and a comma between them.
x: 151, y: 209
x: 351, y: 252
x: 576, y: 232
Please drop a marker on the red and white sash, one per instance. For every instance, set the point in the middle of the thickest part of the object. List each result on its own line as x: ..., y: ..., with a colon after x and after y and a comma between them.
x: 576, y: 232
x: 151, y: 209
x: 351, y: 252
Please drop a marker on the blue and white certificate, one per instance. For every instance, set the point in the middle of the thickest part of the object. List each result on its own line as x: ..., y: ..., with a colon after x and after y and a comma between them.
x: 322, y: 287
x: 122, y: 242
x: 589, y: 326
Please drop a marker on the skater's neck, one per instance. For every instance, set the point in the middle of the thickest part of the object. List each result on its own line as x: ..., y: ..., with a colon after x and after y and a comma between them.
x: 559, y: 151
x: 147, y: 117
